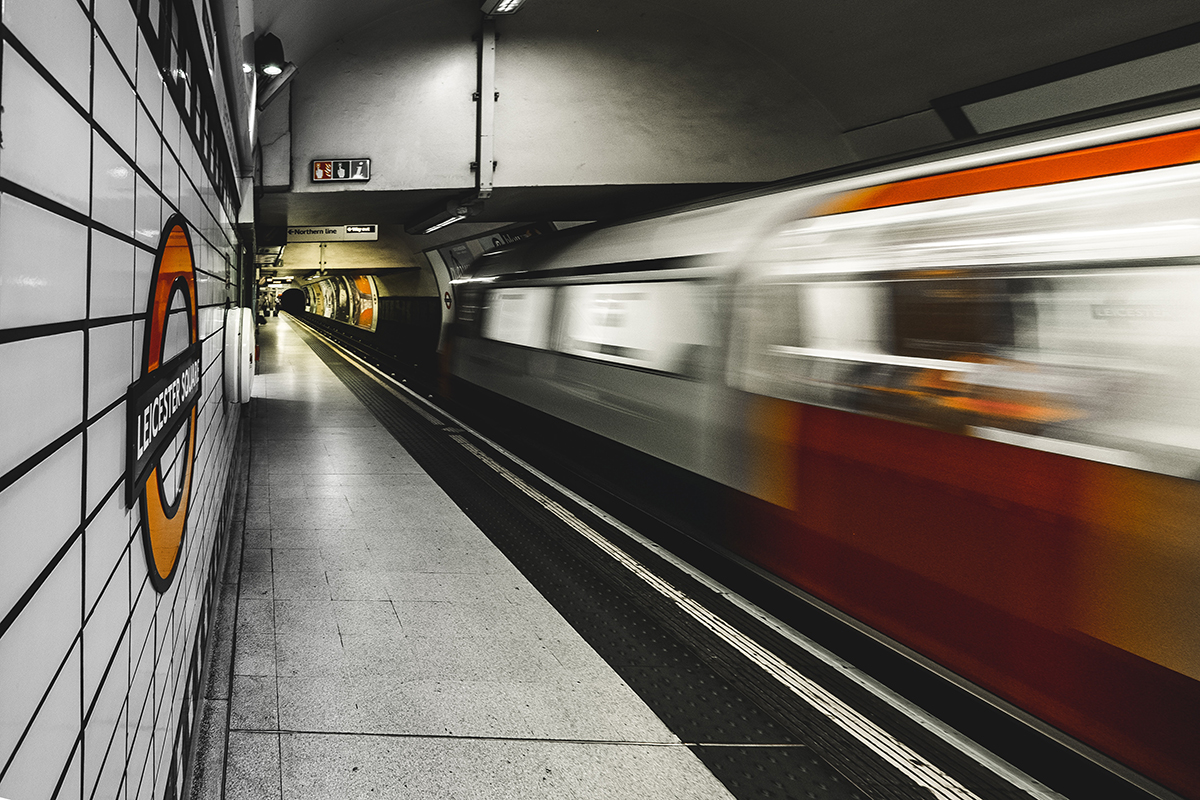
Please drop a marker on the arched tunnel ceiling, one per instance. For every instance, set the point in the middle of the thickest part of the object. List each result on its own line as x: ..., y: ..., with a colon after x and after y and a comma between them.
x: 838, y: 67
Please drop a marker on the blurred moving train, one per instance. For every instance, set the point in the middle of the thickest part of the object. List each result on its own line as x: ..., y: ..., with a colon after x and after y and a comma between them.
x: 959, y: 401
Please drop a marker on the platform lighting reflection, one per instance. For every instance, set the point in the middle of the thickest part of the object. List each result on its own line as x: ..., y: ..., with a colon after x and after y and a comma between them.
x: 494, y: 7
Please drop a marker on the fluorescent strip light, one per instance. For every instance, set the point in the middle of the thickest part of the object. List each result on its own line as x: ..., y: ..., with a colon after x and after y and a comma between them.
x: 494, y: 7
x: 444, y: 223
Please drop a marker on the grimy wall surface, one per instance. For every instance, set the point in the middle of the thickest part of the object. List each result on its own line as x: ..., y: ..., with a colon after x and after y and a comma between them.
x: 661, y: 98
x: 95, y: 660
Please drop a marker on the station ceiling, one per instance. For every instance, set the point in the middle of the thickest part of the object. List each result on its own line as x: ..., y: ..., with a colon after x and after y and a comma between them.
x: 863, y: 63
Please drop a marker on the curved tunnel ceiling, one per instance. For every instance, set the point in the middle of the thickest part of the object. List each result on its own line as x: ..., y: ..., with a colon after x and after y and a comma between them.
x: 821, y: 73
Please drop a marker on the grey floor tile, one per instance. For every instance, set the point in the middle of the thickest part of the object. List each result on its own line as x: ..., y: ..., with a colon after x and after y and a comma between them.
x: 344, y: 556
x: 606, y: 710
x: 310, y: 585
x: 254, y: 655
x: 331, y: 513
x: 309, y: 653
x: 317, y: 766
x: 257, y: 585
x: 375, y: 657
x: 490, y: 588
x: 319, y: 703
x: 257, y: 538
x: 253, y: 767
x: 305, y: 616
x: 427, y: 707
x: 497, y: 659
x: 255, y: 703
x: 256, y: 617
x: 297, y: 559
x: 366, y: 618
x: 359, y: 584
x: 256, y: 559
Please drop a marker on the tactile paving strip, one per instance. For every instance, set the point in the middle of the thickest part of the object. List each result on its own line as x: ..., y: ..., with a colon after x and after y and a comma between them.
x: 705, y: 693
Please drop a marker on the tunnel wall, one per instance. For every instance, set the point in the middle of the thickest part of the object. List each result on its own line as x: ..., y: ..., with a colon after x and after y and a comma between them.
x: 98, y: 667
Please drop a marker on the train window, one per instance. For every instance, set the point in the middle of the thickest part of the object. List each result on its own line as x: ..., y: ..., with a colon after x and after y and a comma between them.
x: 519, y: 315
x: 664, y: 326
x: 950, y: 318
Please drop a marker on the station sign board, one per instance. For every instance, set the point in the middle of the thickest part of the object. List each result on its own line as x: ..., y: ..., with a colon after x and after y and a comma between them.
x: 341, y: 169
x: 333, y: 233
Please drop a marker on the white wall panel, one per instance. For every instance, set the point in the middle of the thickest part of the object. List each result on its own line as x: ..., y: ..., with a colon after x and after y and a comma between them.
x: 107, y: 538
x: 55, y: 166
x: 31, y: 652
x: 112, y: 188
x: 39, y: 404
x: 114, y: 104
x: 56, y: 32
x: 43, y: 273
x: 112, y: 277
x: 33, y: 531
x: 109, y: 370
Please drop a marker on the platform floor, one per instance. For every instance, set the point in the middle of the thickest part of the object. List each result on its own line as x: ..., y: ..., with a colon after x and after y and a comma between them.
x: 383, y: 647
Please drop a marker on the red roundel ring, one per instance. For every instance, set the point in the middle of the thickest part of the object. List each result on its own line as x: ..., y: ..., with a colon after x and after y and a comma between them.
x: 163, y: 406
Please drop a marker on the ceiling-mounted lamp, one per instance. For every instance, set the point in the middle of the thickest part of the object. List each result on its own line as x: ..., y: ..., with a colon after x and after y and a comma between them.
x: 496, y: 7
x: 268, y: 55
x: 454, y: 211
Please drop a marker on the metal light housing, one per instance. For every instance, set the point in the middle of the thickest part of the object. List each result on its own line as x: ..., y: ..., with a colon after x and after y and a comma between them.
x: 268, y: 54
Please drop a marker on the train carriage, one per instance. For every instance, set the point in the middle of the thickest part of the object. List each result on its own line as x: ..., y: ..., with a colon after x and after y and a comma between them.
x: 958, y: 401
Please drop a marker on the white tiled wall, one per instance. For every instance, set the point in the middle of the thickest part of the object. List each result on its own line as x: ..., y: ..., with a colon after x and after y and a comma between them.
x: 93, y: 661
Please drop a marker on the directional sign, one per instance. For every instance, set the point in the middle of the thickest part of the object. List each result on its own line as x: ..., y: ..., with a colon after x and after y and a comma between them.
x: 333, y: 233
x: 342, y: 169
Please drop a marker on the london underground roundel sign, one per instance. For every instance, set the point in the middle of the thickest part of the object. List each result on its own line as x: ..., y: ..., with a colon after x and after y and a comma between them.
x: 162, y: 406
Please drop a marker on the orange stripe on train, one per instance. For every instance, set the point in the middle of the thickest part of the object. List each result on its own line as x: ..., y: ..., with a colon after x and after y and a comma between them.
x: 1111, y: 159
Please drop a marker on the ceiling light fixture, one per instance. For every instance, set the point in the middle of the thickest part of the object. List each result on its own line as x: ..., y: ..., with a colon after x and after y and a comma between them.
x: 496, y: 7
x: 268, y: 54
x: 454, y: 211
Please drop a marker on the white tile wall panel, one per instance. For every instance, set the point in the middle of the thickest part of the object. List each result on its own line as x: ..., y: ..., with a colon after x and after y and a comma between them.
x: 149, y: 148
x: 109, y: 370
x: 141, y: 765
x: 49, y: 741
x: 58, y: 35
x: 170, y: 181
x: 115, y: 18
x: 112, y: 188
x: 105, y: 644
x: 108, y: 539
x: 175, y: 139
x: 114, y: 106
x: 36, y: 520
x: 105, y: 455
x: 143, y: 273
x: 141, y: 709
x: 150, y: 84
x: 41, y: 396
x: 104, y: 745
x: 43, y: 274
x: 54, y: 166
x: 71, y: 781
x: 148, y: 213
x: 112, y: 277
x: 139, y: 335
x: 33, y: 649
